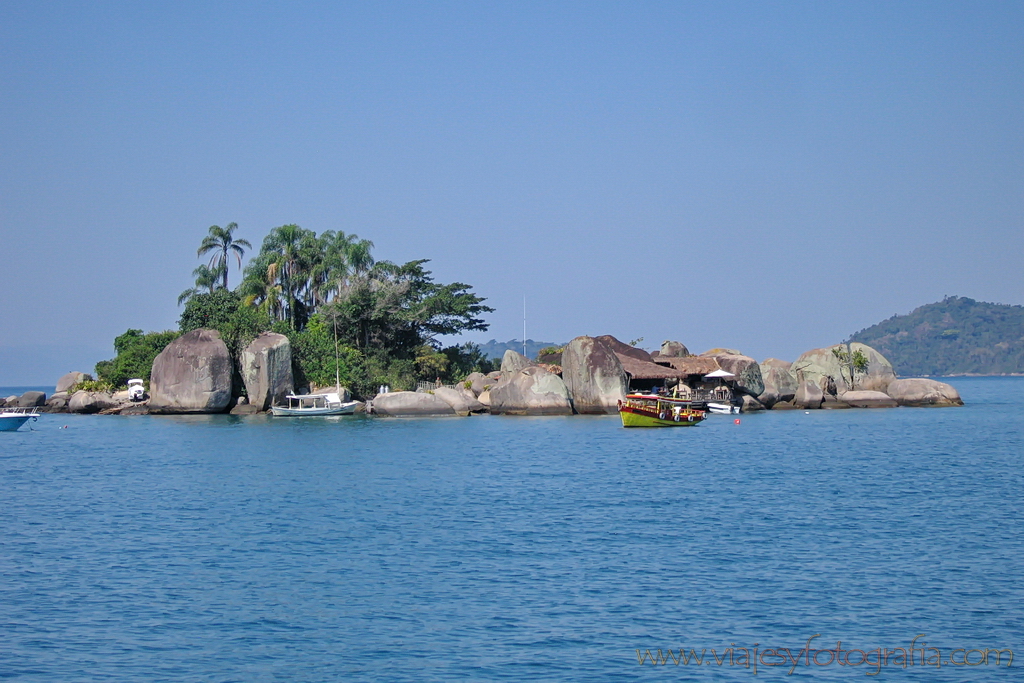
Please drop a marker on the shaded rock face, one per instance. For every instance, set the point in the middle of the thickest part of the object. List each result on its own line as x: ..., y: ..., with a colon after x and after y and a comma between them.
x: 456, y: 400
x: 622, y: 348
x: 593, y: 376
x: 533, y: 391
x: 87, y: 402
x: 71, y: 379
x: 919, y: 392
x: 32, y: 399
x: 867, y: 399
x: 749, y: 404
x: 266, y: 369
x: 748, y: 373
x: 411, y: 404
x: 830, y: 402
x: 192, y: 375
x: 779, y: 385
x: 809, y: 395
x: 673, y: 349
x: 477, y: 382
x: 58, y: 403
x: 514, y: 362
x: 817, y: 364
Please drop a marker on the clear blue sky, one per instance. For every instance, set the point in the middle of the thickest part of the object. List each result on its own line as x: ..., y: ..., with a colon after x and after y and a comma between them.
x: 764, y: 176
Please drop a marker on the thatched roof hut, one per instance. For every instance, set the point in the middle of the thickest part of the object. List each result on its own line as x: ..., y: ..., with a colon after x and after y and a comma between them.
x: 642, y: 369
x: 691, y: 365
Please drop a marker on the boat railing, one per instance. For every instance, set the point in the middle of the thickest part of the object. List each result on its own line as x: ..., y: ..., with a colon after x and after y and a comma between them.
x: 19, y: 410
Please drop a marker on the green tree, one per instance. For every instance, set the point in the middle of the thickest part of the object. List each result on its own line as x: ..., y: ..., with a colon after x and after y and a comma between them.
x: 206, y: 278
x: 222, y: 243
x: 135, y: 354
x: 851, y: 363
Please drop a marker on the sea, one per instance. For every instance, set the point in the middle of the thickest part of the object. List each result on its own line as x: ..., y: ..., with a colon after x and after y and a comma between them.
x: 813, y: 545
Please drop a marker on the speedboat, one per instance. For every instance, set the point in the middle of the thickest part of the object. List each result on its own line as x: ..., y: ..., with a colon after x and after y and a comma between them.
x: 723, y: 408
x: 12, y: 417
x: 651, y: 410
x: 136, y: 390
x: 314, y: 405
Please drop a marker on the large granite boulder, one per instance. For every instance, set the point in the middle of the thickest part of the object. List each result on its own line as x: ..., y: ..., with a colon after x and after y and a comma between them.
x: 775, y: 363
x: 531, y: 391
x: 918, y: 392
x: 749, y: 404
x: 485, y: 399
x: 867, y: 399
x: 459, y: 402
x: 809, y: 395
x: 817, y: 364
x: 32, y: 399
x: 58, y: 403
x: 192, y: 375
x: 748, y: 373
x: 410, y: 404
x: 513, y: 362
x: 71, y: 379
x: 266, y: 369
x: 622, y: 348
x: 593, y: 376
x: 87, y: 402
x: 673, y: 349
x: 477, y: 382
x: 779, y: 385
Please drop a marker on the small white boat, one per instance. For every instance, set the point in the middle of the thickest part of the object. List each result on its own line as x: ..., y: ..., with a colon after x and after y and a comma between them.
x: 136, y: 390
x: 723, y: 408
x: 12, y: 417
x: 314, y: 405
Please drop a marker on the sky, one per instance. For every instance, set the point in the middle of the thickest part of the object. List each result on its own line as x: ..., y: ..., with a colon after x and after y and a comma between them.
x: 769, y: 177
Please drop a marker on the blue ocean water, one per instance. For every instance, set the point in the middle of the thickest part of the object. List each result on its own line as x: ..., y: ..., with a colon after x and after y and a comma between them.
x: 500, y: 548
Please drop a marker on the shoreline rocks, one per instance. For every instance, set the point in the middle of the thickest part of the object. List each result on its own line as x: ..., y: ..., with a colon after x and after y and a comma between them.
x: 266, y: 369
x: 411, y: 404
x: 920, y: 392
x: 192, y: 375
x: 593, y: 376
x: 531, y: 391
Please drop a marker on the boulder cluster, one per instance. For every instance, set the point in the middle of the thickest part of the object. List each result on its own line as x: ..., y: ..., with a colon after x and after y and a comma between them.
x: 590, y: 375
x: 194, y: 374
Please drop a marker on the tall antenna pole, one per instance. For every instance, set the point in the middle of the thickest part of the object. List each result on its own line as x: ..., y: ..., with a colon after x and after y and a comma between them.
x: 524, y: 324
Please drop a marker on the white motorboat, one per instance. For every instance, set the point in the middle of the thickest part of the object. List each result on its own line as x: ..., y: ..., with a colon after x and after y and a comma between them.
x: 12, y: 417
x: 136, y: 390
x: 723, y: 408
x: 314, y: 405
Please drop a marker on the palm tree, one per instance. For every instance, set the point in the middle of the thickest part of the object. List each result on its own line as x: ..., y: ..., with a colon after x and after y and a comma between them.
x: 206, y: 278
x: 222, y: 243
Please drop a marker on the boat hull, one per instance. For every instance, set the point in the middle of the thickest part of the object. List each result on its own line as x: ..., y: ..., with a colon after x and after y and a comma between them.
x: 638, y: 410
x: 632, y: 419
x: 344, y: 409
x: 11, y: 423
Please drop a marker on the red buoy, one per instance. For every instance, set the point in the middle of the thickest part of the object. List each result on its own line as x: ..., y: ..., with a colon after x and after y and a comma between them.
x: 736, y: 421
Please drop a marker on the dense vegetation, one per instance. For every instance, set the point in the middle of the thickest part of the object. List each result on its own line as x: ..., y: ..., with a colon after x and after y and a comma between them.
x: 954, y: 336
x: 367, y: 322
x: 135, y: 354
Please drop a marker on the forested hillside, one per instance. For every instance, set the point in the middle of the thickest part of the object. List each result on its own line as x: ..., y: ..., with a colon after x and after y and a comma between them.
x: 954, y: 336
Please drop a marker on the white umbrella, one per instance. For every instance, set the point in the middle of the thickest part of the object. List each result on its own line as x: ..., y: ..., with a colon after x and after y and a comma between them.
x: 718, y: 373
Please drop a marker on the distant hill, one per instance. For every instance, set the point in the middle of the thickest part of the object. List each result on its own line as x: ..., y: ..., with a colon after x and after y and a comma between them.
x: 952, y: 337
x: 496, y: 349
